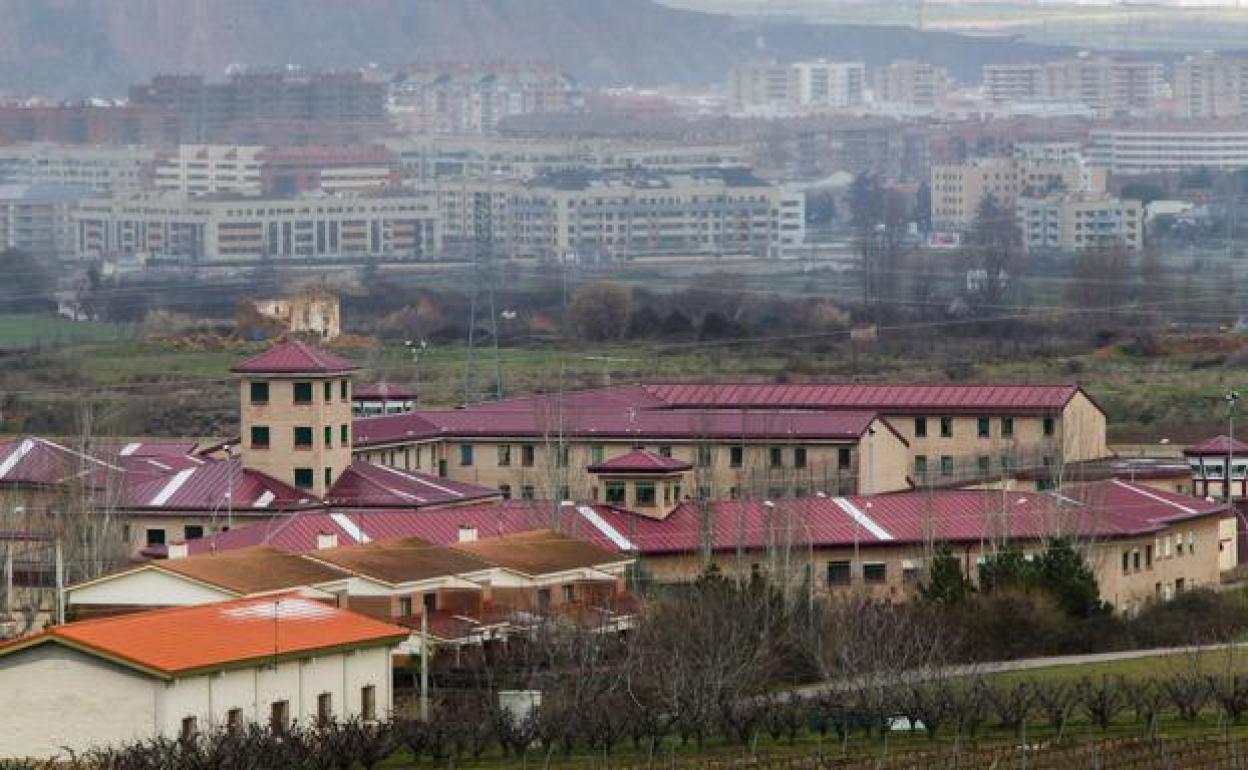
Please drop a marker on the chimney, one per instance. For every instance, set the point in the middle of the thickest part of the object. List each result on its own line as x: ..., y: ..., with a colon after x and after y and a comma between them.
x: 325, y: 540
x: 177, y: 551
x: 467, y: 534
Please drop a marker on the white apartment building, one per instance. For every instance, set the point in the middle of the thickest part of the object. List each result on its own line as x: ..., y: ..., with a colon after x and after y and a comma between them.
x: 37, y: 218
x: 588, y: 216
x: 1175, y: 147
x: 424, y: 158
x: 189, y: 230
x: 210, y: 169
x: 1075, y: 222
x: 830, y: 83
x: 1014, y: 82
x: 100, y: 169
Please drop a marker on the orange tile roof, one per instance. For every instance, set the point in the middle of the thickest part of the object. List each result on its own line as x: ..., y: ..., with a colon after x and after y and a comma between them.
x: 206, y: 637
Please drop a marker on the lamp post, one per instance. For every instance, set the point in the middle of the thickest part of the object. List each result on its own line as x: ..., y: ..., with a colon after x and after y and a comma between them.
x: 1230, y: 398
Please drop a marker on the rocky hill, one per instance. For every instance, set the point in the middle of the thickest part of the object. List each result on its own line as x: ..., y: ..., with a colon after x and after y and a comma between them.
x: 77, y: 48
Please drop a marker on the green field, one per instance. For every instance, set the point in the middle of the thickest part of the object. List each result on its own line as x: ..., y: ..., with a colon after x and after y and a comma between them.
x: 20, y: 332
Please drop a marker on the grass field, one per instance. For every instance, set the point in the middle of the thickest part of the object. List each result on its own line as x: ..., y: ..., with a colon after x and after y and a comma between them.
x: 20, y: 332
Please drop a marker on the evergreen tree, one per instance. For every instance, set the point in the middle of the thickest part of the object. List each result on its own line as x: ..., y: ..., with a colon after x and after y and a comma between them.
x: 947, y: 584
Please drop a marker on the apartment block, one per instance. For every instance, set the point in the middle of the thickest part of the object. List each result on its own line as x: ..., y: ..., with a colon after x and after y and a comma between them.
x: 209, y: 109
x: 37, y: 218
x: 911, y: 84
x: 472, y: 98
x: 1036, y: 170
x: 1108, y: 86
x: 199, y: 169
x: 1211, y: 85
x: 588, y: 216
x: 207, y: 230
x: 424, y: 158
x: 90, y: 124
x: 1169, y: 147
x: 1080, y: 222
x: 802, y: 85
x: 101, y: 168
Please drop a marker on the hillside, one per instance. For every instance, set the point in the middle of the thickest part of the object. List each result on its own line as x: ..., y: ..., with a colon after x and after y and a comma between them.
x: 96, y: 47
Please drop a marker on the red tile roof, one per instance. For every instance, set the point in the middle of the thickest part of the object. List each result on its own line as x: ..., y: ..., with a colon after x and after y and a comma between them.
x: 540, y: 422
x: 883, y: 398
x: 1218, y: 445
x: 365, y: 485
x: 182, y: 640
x: 640, y: 461
x: 1106, y: 509
x: 215, y: 485
x: 38, y: 461
x: 295, y: 357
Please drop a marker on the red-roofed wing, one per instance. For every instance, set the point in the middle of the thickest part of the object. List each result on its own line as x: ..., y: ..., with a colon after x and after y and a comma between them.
x: 295, y: 357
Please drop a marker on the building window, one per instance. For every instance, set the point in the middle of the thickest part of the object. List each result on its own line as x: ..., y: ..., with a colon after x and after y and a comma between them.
x: 504, y: 455
x: 234, y: 720
x: 1148, y: 556
x: 329, y: 437
x: 526, y: 455
x: 1135, y: 560
x: 920, y: 427
x: 324, y: 708
x: 344, y: 437
x: 279, y: 717
x: 1007, y: 427
x: 644, y: 492
x: 946, y: 427
x: 736, y: 456
x: 527, y: 492
x: 1049, y: 426
x: 946, y: 465
x: 983, y: 427
x: 617, y: 493
x: 665, y: 450
x: 874, y: 572
x: 799, y: 457
x: 465, y: 454
x: 368, y: 703
x: 329, y: 391
x: 704, y: 456
x: 259, y: 392
x: 192, y: 532
x: 303, y: 392
x: 303, y: 478
x: 983, y: 464
x: 505, y: 489
x: 190, y: 728
x: 838, y: 573
x: 775, y: 457
x: 259, y: 437
x: 303, y: 437
x: 1126, y: 562
x: 920, y: 466
x: 843, y: 458
x: 155, y: 537
x: 329, y: 477
x: 561, y: 456
x: 342, y: 390
x: 597, y: 453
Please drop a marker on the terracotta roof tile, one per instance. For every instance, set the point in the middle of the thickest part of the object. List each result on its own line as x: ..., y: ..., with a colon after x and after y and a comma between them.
x: 252, y: 570
x: 640, y: 461
x: 180, y: 640
x: 540, y: 552
x: 295, y: 357
x: 367, y: 485
x: 1218, y: 445
x: 400, y: 561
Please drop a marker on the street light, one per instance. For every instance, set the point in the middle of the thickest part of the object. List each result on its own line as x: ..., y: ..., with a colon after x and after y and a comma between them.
x: 1230, y: 399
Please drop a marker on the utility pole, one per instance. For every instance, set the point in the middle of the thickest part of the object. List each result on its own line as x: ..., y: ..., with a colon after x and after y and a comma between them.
x: 424, y: 664
x: 60, y: 584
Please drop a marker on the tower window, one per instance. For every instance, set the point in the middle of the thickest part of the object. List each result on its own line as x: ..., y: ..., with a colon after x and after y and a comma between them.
x: 329, y: 436
x: 303, y: 392
x: 329, y: 391
x: 303, y: 478
x: 259, y: 437
x: 303, y: 437
x: 259, y: 392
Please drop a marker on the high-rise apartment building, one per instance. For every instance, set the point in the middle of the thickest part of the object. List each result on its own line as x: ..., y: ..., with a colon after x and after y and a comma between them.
x: 1211, y: 86
x: 912, y: 84
x: 802, y: 85
x: 1107, y: 86
x: 472, y: 98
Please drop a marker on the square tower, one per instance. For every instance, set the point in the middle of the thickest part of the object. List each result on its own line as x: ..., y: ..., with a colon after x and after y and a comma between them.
x: 295, y: 415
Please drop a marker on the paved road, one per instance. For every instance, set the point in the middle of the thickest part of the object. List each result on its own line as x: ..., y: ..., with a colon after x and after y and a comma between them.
x: 1032, y: 664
